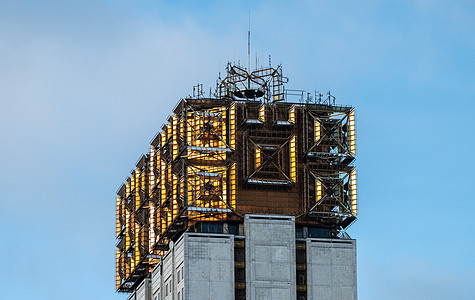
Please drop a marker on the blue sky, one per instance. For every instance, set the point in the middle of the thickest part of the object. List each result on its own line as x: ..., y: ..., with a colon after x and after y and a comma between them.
x: 84, y: 86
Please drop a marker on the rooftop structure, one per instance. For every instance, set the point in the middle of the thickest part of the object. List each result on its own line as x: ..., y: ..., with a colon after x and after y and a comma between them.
x: 246, y: 149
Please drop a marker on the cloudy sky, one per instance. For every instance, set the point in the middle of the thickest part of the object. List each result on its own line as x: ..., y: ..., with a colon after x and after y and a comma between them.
x: 85, y: 85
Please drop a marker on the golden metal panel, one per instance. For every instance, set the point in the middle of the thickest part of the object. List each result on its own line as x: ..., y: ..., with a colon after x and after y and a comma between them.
x: 117, y: 217
x: 352, y: 132
x: 194, y: 163
x: 117, y: 268
x: 258, y: 157
x: 319, y: 190
x: 175, y: 196
x: 151, y: 230
x: 353, y: 193
x: 262, y: 113
x: 233, y: 186
x: 232, y: 117
x: 293, y: 158
x: 292, y: 114
x: 317, y: 131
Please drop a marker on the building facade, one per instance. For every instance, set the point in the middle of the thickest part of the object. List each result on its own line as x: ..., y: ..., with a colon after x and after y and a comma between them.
x: 267, y: 262
x: 222, y: 163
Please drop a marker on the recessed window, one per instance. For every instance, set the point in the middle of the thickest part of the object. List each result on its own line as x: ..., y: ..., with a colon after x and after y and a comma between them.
x: 178, y: 277
x: 212, y: 228
x: 233, y: 229
x: 299, y: 232
x: 317, y: 232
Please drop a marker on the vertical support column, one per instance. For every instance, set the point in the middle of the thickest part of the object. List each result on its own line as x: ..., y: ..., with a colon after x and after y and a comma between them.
x: 331, y: 265
x: 239, y: 268
x: 301, y: 260
x: 270, y: 257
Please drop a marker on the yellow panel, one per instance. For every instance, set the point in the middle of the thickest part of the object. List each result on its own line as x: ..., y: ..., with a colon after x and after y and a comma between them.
x: 353, y: 193
x: 117, y: 216
x: 175, y: 141
x: 224, y: 130
x: 117, y: 268
x: 143, y: 179
x: 132, y: 184
x: 232, y: 119
x: 258, y: 157
x: 225, y: 192
x: 164, y: 138
x: 151, y: 233
x: 182, y: 126
x: 164, y: 221
x: 151, y: 174
x: 317, y: 130
x: 190, y: 128
x: 137, y: 242
x: 175, y: 196
x: 169, y: 130
x: 262, y: 113
x: 292, y: 114
x: 352, y: 132
x: 293, y: 159
x: 137, y: 187
x: 163, y: 180
x: 127, y: 230
x: 182, y: 189
x: 190, y: 186
x: 233, y: 186
x: 319, y: 190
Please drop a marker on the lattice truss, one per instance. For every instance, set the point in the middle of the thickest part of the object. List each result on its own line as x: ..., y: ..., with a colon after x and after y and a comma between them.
x: 329, y: 150
x: 269, y: 142
x: 190, y: 172
x: 134, y: 257
x: 187, y: 176
x: 264, y: 82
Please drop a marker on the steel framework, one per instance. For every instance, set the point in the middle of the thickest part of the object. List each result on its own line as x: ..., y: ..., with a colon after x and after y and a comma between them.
x: 245, y: 150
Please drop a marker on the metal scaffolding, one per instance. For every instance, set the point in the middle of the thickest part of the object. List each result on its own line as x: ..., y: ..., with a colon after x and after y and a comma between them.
x: 246, y: 150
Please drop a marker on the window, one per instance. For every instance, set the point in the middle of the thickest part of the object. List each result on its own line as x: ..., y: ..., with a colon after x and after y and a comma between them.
x: 182, y: 272
x: 178, y: 277
x: 166, y: 289
x: 183, y: 293
x: 212, y: 228
x: 299, y: 232
x: 233, y: 229
x: 317, y: 232
x: 179, y: 296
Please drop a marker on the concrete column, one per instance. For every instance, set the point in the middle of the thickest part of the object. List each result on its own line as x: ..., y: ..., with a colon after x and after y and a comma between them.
x: 270, y: 257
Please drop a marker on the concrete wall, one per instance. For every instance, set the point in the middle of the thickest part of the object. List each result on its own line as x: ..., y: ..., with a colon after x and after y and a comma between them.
x: 156, y: 281
x: 209, y: 266
x: 270, y: 257
x: 331, y: 269
x: 200, y: 266
x: 143, y: 291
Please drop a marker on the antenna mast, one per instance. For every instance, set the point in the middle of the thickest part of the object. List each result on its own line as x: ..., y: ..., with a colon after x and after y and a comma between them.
x: 249, y: 45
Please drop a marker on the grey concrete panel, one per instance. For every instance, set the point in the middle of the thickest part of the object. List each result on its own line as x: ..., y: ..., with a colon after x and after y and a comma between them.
x: 270, y: 257
x: 209, y: 266
x: 331, y: 269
